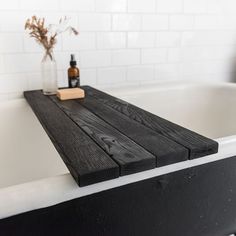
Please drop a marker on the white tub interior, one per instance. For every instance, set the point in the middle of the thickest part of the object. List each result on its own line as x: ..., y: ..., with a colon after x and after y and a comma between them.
x: 205, y: 108
x: 26, y: 152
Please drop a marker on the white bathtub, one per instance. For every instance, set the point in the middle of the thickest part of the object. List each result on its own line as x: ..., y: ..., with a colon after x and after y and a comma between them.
x: 208, y: 109
x: 32, y: 174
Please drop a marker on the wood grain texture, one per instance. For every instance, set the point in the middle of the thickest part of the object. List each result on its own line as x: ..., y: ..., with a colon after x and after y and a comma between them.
x: 166, y: 151
x: 131, y: 157
x: 198, y: 145
x: 86, y: 161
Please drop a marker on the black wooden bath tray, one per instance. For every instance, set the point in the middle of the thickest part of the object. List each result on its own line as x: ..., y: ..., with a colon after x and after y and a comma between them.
x: 102, y: 137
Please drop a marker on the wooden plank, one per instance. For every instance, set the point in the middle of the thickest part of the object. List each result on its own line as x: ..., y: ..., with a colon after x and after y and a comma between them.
x: 86, y: 161
x: 131, y: 157
x: 198, y: 145
x: 166, y: 151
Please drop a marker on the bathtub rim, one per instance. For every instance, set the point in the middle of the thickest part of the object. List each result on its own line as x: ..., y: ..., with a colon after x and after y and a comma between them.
x: 47, y: 192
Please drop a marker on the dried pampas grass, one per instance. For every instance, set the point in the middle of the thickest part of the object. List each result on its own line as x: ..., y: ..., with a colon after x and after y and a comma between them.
x: 46, y: 36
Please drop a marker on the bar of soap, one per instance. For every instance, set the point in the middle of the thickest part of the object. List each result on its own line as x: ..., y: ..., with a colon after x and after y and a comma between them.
x: 70, y: 93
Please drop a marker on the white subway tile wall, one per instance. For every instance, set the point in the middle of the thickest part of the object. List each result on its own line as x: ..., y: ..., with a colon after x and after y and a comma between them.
x: 121, y: 42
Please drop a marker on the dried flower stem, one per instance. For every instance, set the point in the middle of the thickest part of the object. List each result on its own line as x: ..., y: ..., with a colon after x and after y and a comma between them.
x: 45, y: 35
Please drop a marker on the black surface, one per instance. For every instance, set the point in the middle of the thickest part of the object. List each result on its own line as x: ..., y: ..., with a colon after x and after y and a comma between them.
x: 198, y: 145
x: 166, y: 151
x: 200, y: 201
x: 131, y: 157
x: 86, y: 161
x: 102, y: 137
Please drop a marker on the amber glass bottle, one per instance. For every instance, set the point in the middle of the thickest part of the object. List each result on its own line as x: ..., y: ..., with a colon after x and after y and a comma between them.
x: 73, y: 73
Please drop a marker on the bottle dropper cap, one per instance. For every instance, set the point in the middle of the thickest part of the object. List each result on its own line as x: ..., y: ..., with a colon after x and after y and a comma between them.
x: 72, y: 60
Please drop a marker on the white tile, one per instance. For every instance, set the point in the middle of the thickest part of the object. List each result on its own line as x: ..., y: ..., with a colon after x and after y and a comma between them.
x: 11, y: 42
x: 95, y: 59
x: 111, y: 5
x: 115, y: 85
x: 94, y: 22
x: 63, y: 59
x: 201, y: 53
x: 195, y: 6
x: 223, y: 52
x: 141, y: 5
x: 34, y: 81
x: 42, y: 5
x: 88, y: 77
x: 169, y: 6
x: 9, y: 5
x: 126, y: 22
x: 174, y: 55
x: 140, y: 73
x: 141, y: 39
x: 77, y: 5
x: 225, y: 37
x: 126, y: 57
x: 197, y: 38
x: 195, y: 54
x: 12, y: 22
x: 53, y: 17
x: 111, y: 75
x: 204, y: 22
x: 168, y: 39
x: 227, y: 22
x: 181, y: 22
x: 111, y: 40
x: 144, y: 39
x: 13, y: 83
x: 62, y: 79
x: 168, y: 71
x: 192, y: 38
x: 228, y: 7
x: 2, y: 65
x: 154, y: 55
x: 221, y: 67
x: 215, y: 6
x: 207, y: 67
x: 155, y: 22
x: 84, y: 41
x: 22, y: 63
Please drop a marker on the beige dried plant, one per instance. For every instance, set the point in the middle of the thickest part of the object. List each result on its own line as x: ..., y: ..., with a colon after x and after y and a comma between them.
x: 46, y: 36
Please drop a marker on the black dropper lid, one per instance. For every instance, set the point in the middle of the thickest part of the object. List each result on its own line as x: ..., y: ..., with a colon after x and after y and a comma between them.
x: 72, y: 60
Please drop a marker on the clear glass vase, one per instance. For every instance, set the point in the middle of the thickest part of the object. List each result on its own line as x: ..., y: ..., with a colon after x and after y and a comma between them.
x: 49, y: 73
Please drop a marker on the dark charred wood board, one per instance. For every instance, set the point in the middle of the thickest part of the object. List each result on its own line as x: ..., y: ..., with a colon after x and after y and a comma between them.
x: 86, y: 161
x: 102, y: 137
x: 130, y: 156
x: 166, y: 151
x: 197, y: 145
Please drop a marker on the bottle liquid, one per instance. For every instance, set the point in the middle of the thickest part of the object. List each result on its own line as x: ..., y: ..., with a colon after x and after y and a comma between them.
x: 73, y: 73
